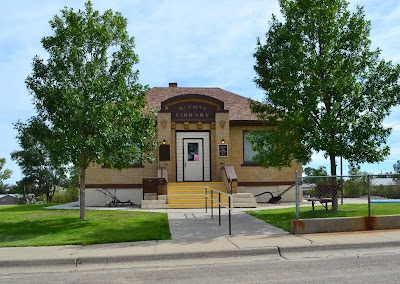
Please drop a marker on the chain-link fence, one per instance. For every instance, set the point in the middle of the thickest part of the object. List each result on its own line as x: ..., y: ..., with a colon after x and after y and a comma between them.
x: 347, y: 196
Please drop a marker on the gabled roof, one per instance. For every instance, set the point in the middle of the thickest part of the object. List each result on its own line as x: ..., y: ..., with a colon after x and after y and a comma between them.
x: 237, y: 105
x: 13, y: 195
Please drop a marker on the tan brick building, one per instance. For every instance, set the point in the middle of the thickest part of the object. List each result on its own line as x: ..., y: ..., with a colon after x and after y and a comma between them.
x: 200, y: 130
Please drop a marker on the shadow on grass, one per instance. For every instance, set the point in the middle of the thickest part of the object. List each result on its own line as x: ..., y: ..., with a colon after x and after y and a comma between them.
x: 23, y: 208
x: 49, y: 229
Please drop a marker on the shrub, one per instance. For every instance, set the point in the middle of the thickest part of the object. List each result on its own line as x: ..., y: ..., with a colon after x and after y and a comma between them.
x: 65, y: 196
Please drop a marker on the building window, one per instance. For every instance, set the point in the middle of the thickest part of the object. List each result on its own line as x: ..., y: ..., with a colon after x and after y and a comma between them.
x: 248, y: 152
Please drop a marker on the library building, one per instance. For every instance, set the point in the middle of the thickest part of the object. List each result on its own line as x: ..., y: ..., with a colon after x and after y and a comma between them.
x: 202, y: 134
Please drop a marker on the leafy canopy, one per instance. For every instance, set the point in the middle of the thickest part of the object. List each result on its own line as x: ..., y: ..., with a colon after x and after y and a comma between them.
x: 87, y: 94
x: 42, y: 173
x: 325, y: 89
x: 4, y: 174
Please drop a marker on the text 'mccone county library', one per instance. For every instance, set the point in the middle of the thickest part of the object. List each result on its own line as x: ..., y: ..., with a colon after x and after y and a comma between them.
x: 202, y: 134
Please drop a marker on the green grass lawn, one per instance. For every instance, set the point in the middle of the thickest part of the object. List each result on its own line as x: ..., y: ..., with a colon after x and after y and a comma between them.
x: 282, y: 217
x: 32, y: 225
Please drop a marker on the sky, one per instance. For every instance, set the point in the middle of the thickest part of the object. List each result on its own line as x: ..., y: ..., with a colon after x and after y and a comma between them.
x: 196, y: 43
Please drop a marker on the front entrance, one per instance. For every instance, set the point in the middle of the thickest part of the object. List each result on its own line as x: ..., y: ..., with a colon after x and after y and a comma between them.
x: 193, y: 159
x: 193, y: 156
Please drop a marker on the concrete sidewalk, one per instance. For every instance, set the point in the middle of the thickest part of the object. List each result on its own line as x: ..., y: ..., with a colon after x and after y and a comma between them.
x: 105, y: 254
x: 196, y: 235
x: 198, y: 225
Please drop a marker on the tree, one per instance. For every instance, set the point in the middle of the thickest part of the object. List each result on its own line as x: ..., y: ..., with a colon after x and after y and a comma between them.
x: 42, y: 170
x: 325, y: 89
x: 87, y: 95
x: 320, y: 171
x: 357, y: 184
x: 314, y: 173
x: 4, y: 174
x: 396, y: 167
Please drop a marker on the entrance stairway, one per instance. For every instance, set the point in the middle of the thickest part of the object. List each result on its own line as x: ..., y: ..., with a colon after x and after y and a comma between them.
x: 191, y: 195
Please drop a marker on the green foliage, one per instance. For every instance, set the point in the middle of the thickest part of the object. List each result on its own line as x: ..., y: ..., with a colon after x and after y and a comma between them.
x: 31, y: 225
x: 315, y: 176
x: 396, y: 167
x: 89, y: 103
x: 326, y: 90
x: 65, y: 196
x: 42, y: 172
x: 386, y: 191
x: 320, y: 171
x: 357, y: 184
x: 355, y: 187
x: 4, y: 174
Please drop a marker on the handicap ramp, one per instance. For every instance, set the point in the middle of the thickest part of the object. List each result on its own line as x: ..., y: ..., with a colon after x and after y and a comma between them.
x: 198, y: 225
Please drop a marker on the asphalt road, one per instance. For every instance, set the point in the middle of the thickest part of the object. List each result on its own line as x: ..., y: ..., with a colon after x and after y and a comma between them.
x: 357, y: 266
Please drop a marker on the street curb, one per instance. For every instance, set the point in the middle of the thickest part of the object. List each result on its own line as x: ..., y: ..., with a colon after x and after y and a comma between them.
x: 137, y: 258
x: 339, y: 247
x: 273, y: 250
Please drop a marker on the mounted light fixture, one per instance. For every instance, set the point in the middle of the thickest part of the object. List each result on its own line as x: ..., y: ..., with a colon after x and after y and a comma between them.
x: 164, y: 142
x: 222, y: 141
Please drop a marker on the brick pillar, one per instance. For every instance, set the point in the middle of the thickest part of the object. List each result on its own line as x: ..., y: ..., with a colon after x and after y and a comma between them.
x: 221, y: 133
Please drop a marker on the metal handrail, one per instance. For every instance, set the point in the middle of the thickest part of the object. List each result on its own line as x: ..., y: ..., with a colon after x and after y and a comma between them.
x: 206, y: 188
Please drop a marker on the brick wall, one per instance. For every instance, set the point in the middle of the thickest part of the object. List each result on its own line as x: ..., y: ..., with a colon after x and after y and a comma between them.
x: 252, y: 173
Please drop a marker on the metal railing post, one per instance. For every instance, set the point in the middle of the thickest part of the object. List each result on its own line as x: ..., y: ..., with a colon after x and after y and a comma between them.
x: 219, y: 208
x: 230, y: 209
x: 212, y: 204
x: 297, y: 194
x: 205, y: 197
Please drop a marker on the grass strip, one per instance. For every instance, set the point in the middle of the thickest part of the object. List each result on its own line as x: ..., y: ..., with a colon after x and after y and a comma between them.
x: 282, y: 217
x: 32, y: 225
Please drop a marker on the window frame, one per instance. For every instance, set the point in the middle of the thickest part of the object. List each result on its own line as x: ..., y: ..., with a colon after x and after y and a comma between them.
x: 247, y: 163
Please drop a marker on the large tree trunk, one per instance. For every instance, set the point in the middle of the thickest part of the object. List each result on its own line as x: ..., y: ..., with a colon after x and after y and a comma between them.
x: 82, y: 181
x: 335, y: 205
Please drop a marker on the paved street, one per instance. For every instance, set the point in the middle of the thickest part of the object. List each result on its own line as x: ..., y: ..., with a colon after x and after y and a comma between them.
x: 340, y: 266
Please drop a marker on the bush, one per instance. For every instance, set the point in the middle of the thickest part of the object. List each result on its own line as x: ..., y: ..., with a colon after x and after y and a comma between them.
x: 386, y: 191
x: 355, y: 187
x: 62, y: 196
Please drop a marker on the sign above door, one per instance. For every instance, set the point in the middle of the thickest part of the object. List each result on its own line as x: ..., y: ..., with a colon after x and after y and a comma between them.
x: 192, y: 108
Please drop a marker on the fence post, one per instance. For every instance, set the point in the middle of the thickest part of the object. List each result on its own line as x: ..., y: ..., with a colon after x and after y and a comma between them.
x: 297, y: 194
x: 369, y: 195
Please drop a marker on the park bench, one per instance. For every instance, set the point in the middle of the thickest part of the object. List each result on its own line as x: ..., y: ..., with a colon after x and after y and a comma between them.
x: 324, y: 194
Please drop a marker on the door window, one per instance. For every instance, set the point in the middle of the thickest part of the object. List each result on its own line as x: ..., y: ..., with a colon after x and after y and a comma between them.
x: 193, y: 151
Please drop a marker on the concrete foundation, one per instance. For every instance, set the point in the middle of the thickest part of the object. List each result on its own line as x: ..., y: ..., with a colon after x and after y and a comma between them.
x: 350, y: 224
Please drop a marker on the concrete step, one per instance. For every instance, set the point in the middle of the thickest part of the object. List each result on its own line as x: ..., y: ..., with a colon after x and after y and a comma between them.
x: 188, y: 206
x: 148, y: 202
x: 195, y: 196
x: 244, y: 200
x: 245, y: 205
x: 150, y: 196
x: 243, y: 195
x: 155, y: 206
x: 162, y: 197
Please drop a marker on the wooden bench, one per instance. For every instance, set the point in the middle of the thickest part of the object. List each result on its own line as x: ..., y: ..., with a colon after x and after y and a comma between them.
x: 324, y: 195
